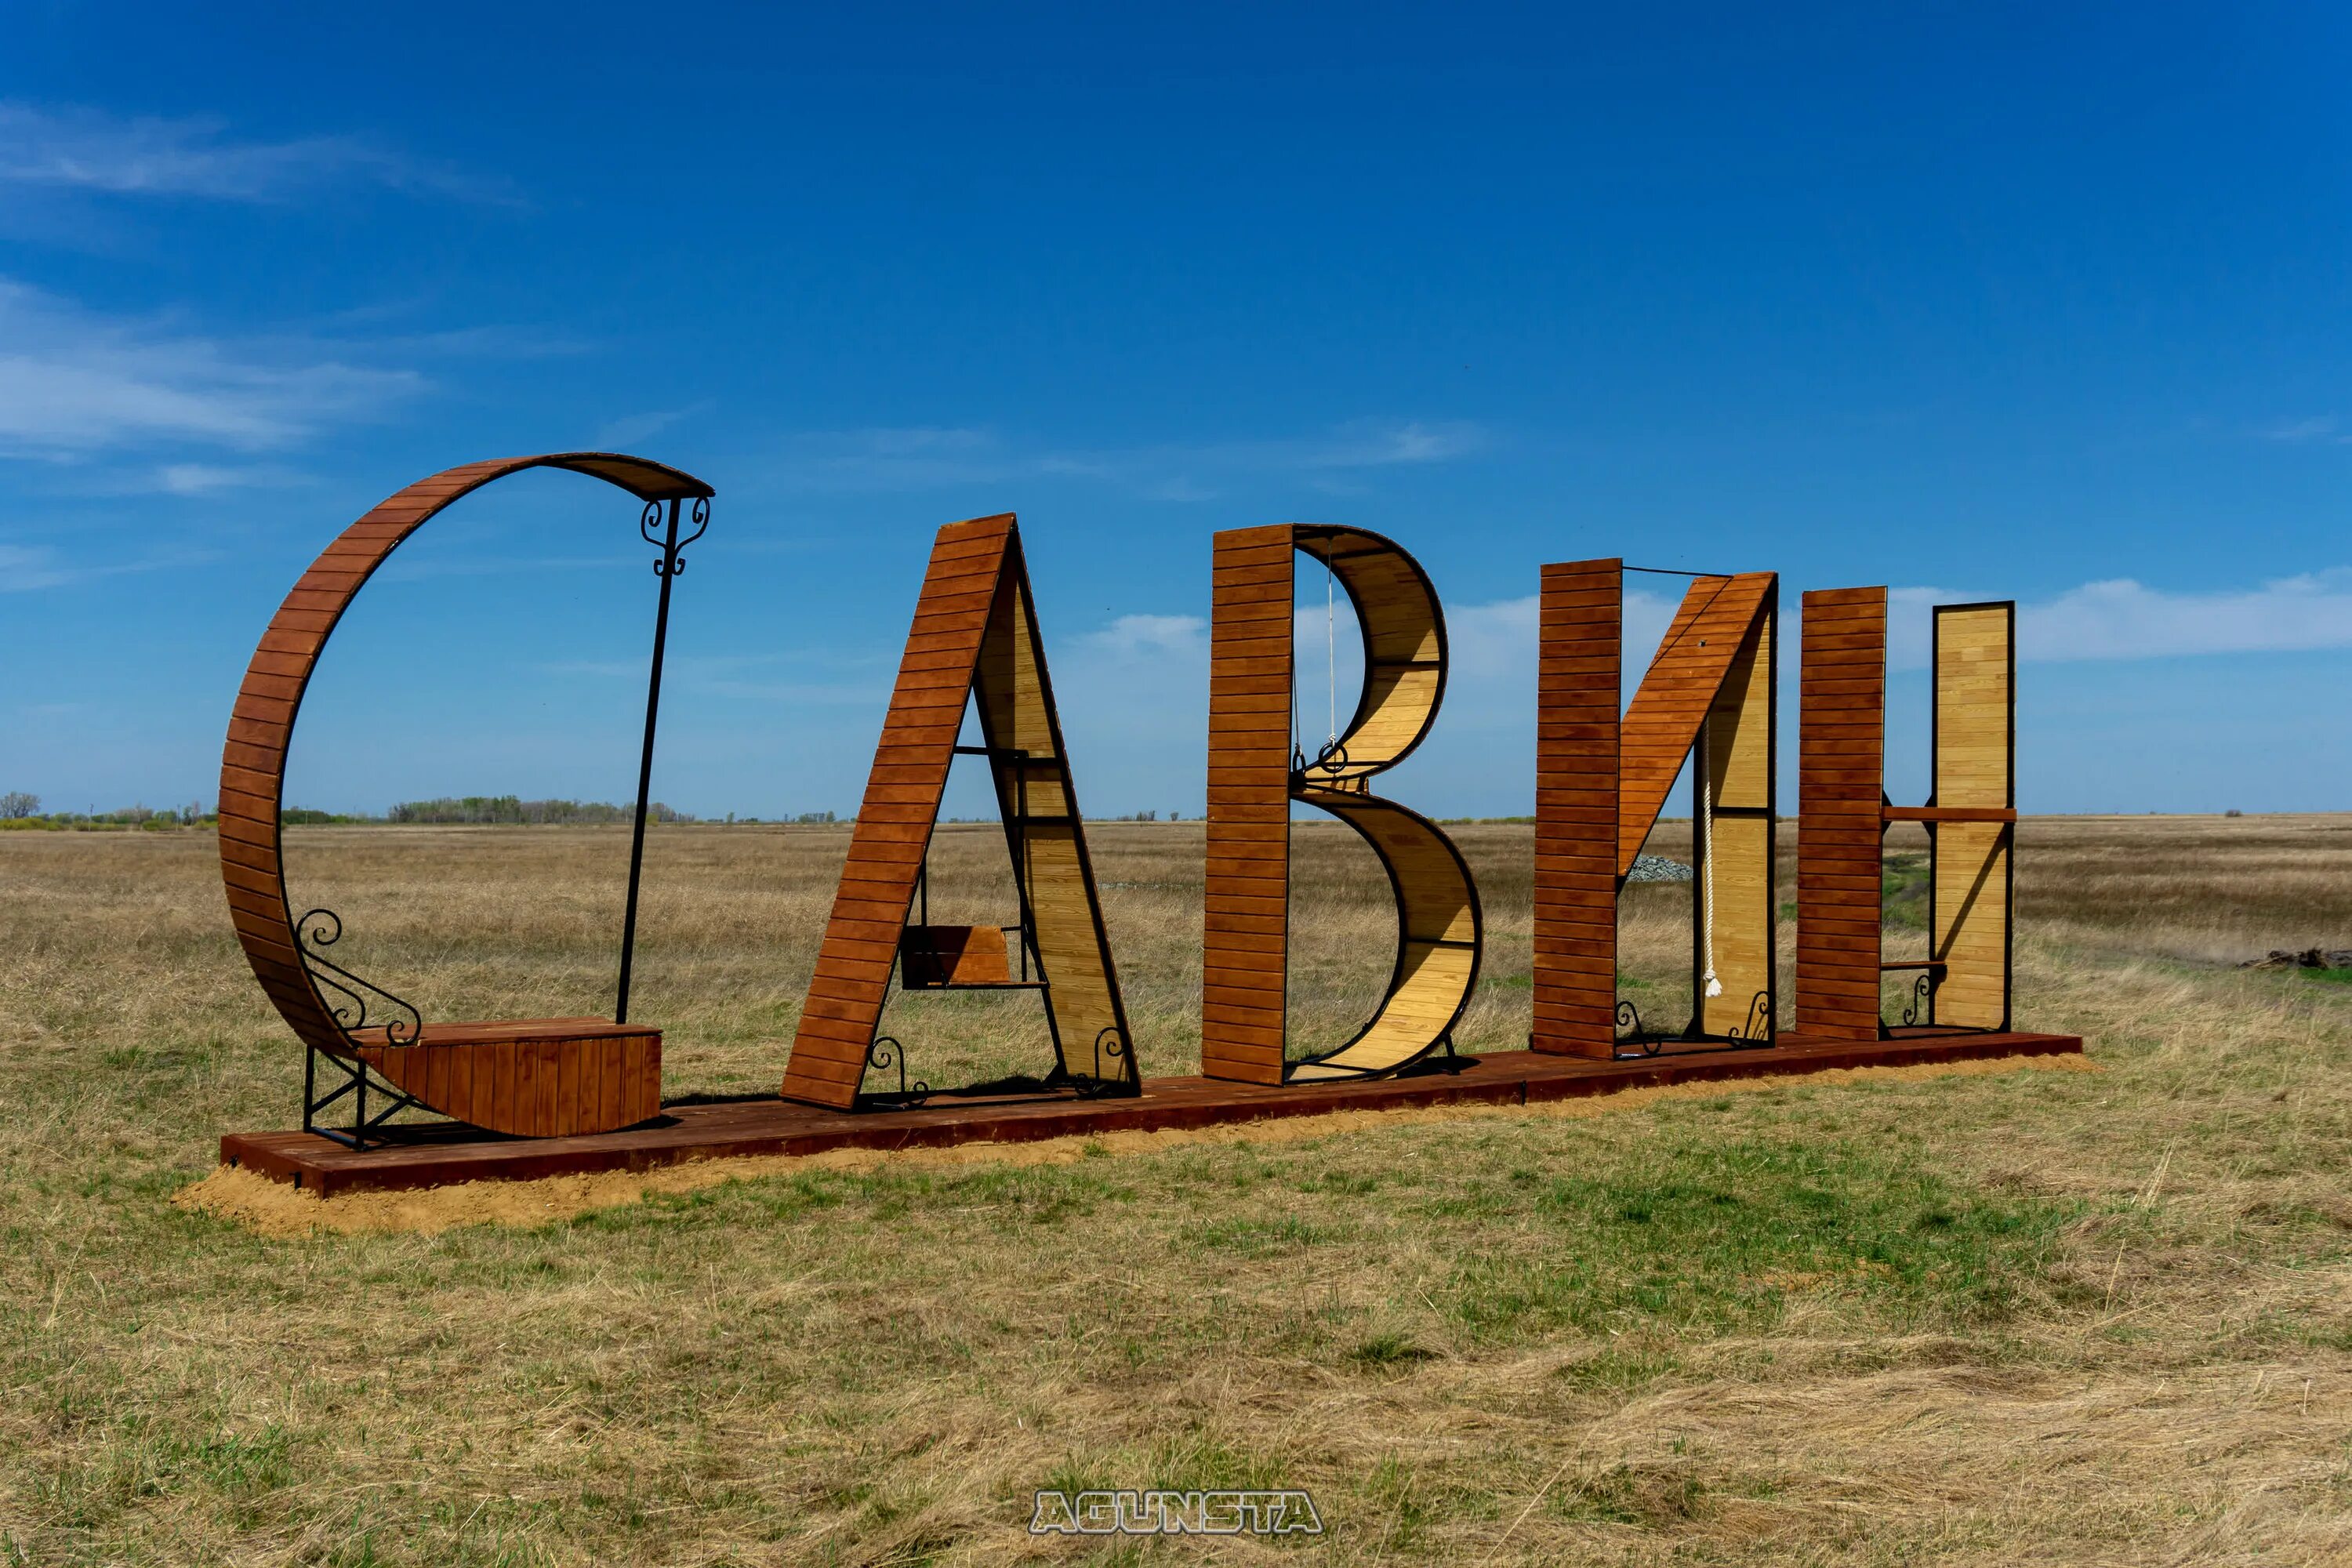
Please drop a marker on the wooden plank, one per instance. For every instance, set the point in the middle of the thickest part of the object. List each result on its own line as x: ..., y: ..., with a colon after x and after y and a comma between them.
x: 1576, y: 801
x: 1839, y: 841
x: 1247, y: 865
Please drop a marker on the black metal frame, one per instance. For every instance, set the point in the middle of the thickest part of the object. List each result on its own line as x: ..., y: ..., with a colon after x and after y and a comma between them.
x: 1761, y: 1025
x: 1930, y: 982
x: 667, y: 568
x: 356, y: 1079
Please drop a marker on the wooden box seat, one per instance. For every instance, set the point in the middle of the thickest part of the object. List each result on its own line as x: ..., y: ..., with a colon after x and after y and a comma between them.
x: 535, y: 1077
x: 957, y: 958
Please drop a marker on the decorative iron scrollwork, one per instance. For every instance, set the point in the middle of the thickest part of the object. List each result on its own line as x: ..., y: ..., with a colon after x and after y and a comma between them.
x: 1757, y: 1029
x: 1631, y: 1033
x: 653, y: 528
x: 1922, y: 993
x: 1111, y: 1046
x: 886, y: 1053
x: 352, y: 1014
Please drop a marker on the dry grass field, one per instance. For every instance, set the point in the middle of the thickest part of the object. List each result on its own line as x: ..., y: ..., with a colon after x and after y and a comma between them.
x: 2069, y: 1317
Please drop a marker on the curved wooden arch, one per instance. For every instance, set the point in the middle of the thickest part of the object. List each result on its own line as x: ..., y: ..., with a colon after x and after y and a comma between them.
x: 261, y: 728
x: 1440, y: 927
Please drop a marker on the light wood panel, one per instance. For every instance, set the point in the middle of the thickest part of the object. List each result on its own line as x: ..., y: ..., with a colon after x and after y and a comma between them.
x: 252, y: 791
x: 1578, y: 693
x: 1737, y: 857
x: 974, y: 638
x: 1974, y: 722
x: 1841, y: 765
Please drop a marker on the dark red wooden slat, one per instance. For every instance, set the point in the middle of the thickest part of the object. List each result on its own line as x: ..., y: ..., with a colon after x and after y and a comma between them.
x: 1840, y: 766
x: 1577, y: 806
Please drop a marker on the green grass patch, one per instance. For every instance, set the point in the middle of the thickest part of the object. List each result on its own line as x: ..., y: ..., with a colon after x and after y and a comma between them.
x: 1716, y: 1237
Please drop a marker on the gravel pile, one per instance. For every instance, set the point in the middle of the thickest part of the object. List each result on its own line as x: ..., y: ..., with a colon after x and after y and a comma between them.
x: 1658, y: 869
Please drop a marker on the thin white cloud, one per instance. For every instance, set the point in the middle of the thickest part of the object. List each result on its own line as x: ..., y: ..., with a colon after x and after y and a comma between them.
x: 188, y: 479
x: 1131, y: 636
x: 2320, y: 429
x: 2123, y: 619
x: 73, y: 383
x: 26, y: 569
x: 1368, y: 444
x: 630, y: 429
x: 922, y: 456
x: 87, y: 150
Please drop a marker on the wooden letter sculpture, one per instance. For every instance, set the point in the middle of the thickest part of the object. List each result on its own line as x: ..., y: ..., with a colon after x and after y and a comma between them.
x: 535, y: 1076
x: 1602, y: 780
x: 1965, y: 980
x: 1254, y: 774
x: 975, y: 636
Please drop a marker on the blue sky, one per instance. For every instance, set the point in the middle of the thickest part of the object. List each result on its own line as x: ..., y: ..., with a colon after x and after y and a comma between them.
x: 1976, y: 302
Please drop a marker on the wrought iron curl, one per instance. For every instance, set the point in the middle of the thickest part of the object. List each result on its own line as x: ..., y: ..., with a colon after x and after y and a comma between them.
x: 655, y: 531
x: 1923, y: 988
x: 1759, y: 1025
x: 1110, y: 1042
x: 1629, y: 1019
x: 886, y: 1053
x: 308, y: 940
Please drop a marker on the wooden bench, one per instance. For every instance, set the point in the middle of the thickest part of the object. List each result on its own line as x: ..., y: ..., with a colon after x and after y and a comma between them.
x: 535, y: 1077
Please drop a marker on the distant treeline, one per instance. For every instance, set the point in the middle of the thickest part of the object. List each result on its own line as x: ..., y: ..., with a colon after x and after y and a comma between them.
x: 21, y: 809
x: 513, y: 811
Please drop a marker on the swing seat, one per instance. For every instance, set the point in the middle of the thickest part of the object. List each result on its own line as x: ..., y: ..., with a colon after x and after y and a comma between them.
x: 957, y: 958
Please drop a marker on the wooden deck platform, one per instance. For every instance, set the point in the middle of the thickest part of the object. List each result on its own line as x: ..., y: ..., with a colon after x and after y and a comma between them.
x: 709, y: 1130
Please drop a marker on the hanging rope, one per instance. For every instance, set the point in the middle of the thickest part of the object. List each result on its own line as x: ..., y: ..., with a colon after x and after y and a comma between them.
x: 1330, y: 656
x: 1297, y: 752
x: 1703, y: 784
